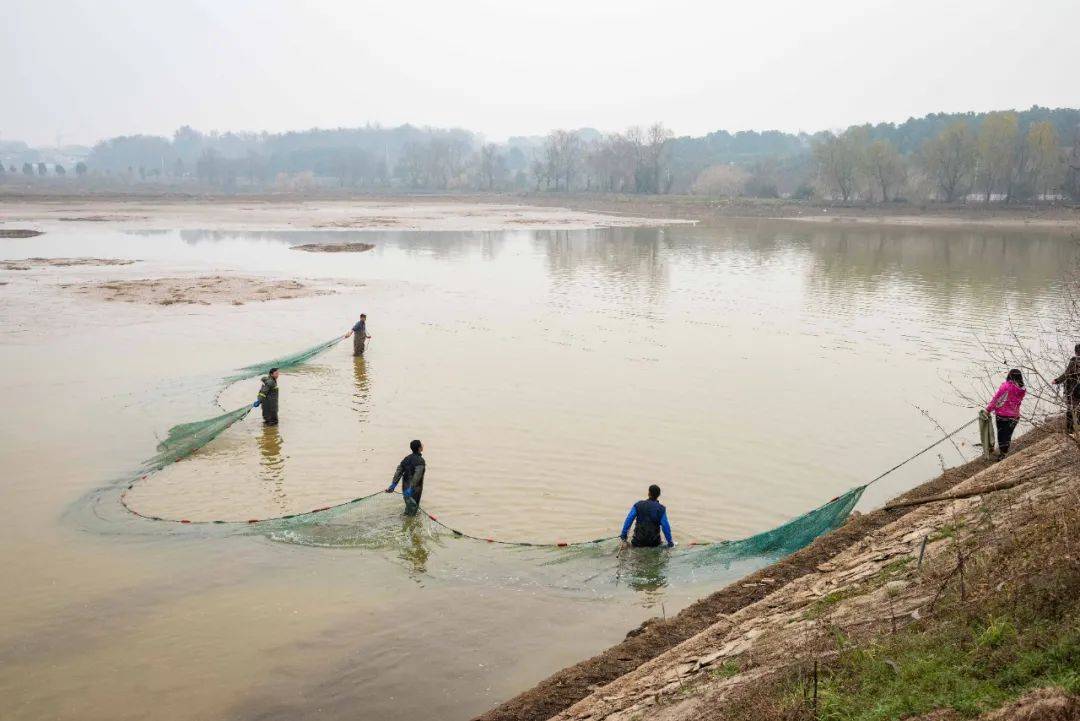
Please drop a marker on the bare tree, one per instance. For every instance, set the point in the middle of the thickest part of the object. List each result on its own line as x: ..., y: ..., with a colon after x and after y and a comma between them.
x: 492, y: 166
x: 563, y: 152
x: 885, y: 167
x: 838, y: 162
x: 654, y: 153
x: 998, y: 138
x: 1047, y: 162
x: 950, y: 160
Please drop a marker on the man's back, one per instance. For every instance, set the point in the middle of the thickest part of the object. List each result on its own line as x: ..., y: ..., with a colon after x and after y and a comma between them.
x: 411, y: 471
x: 650, y: 515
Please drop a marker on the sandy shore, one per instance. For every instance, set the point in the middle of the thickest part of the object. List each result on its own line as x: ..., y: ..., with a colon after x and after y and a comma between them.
x: 205, y: 290
x: 707, y: 211
x: 285, y: 213
x: 30, y: 263
x: 334, y: 247
x: 493, y: 212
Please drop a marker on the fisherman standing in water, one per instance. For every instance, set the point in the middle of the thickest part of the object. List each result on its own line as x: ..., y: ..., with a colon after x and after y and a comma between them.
x: 648, y: 517
x: 268, y: 398
x: 410, y: 473
x: 359, y: 334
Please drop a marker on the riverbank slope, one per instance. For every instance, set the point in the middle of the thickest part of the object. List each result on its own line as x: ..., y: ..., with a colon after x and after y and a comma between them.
x: 871, y: 606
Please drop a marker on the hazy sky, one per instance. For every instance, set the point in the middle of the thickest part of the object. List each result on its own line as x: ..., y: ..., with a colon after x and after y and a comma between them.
x: 89, y: 69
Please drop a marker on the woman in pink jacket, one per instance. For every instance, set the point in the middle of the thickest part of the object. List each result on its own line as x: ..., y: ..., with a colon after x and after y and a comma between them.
x: 1006, y: 405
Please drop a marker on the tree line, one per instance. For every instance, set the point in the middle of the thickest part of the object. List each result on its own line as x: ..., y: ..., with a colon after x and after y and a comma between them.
x: 41, y: 169
x: 997, y: 156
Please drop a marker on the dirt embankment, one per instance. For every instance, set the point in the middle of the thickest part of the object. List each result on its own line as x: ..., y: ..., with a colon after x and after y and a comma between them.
x: 655, y: 639
x: 958, y: 607
x: 205, y: 290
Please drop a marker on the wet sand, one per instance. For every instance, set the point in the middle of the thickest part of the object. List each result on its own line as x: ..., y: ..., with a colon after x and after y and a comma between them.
x: 335, y: 247
x: 28, y: 263
x: 204, y: 290
x: 1058, y: 218
x: 292, y: 213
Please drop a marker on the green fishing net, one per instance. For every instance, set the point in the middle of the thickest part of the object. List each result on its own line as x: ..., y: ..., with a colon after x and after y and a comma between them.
x: 186, y: 438
x: 434, y: 548
x: 282, y: 363
x: 430, y: 546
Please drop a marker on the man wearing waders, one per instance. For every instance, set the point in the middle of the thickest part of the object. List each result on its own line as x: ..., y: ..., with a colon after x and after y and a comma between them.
x: 648, y: 517
x: 1071, y: 379
x: 410, y: 473
x: 268, y: 397
x: 359, y: 334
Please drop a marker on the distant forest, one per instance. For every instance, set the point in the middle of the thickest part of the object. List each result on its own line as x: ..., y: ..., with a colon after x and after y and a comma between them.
x: 1003, y: 156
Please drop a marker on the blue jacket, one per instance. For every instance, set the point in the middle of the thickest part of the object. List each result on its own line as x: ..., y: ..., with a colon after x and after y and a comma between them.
x: 651, y: 518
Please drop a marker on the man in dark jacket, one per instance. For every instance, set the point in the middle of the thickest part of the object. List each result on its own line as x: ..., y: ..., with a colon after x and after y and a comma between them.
x: 268, y: 397
x: 410, y: 473
x: 1071, y: 379
x: 648, y: 517
x: 359, y: 334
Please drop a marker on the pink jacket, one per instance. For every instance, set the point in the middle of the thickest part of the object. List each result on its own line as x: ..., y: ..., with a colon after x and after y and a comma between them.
x: 1006, y: 402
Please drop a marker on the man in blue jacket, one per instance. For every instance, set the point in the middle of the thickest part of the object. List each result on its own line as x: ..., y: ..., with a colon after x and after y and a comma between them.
x: 648, y: 517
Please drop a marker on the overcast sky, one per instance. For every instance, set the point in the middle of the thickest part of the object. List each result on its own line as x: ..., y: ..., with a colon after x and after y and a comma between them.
x: 88, y: 69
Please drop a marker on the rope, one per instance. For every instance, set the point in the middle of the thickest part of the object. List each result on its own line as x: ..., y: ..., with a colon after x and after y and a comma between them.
x: 435, y: 519
x: 557, y: 544
x: 455, y: 531
x: 929, y: 447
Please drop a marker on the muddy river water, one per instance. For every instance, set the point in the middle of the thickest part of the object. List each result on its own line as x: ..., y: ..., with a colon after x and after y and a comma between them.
x: 753, y: 370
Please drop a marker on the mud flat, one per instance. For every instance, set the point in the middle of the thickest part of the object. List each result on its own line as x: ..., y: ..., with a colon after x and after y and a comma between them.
x: 707, y: 211
x: 19, y: 233
x: 30, y: 263
x: 334, y: 247
x: 204, y: 290
x: 290, y: 212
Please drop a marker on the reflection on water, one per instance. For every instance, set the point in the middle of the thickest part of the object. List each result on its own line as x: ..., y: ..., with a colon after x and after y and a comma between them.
x: 674, y: 353
x: 414, y: 550
x: 754, y: 370
x: 272, y: 464
x: 363, y: 390
x: 644, y: 570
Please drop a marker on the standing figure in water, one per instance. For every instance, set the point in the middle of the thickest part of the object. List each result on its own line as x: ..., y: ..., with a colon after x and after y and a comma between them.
x: 359, y: 334
x: 410, y: 473
x: 268, y: 397
x: 1006, y: 406
x: 648, y: 517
